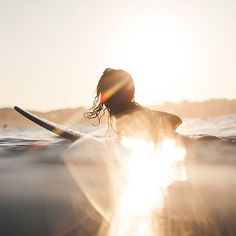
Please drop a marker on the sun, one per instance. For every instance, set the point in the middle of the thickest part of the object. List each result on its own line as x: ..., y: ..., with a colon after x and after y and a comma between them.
x: 159, y: 59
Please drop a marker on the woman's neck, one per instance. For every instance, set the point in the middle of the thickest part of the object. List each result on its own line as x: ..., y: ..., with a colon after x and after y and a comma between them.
x: 127, y: 108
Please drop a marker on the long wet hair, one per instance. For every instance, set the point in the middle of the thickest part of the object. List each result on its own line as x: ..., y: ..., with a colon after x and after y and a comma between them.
x: 115, y: 88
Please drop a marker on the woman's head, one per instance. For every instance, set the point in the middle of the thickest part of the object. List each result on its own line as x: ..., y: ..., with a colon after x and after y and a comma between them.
x: 115, y: 89
x: 115, y: 92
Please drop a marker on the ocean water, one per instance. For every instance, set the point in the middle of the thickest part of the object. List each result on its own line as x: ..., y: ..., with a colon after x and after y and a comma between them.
x: 46, y: 190
x: 222, y: 126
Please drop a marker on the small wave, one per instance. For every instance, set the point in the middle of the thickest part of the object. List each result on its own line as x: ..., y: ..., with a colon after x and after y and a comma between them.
x: 12, y: 146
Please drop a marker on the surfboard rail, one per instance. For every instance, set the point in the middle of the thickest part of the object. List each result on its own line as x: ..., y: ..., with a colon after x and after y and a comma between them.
x: 60, y: 130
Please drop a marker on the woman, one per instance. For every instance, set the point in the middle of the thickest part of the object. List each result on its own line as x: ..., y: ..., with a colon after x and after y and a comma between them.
x: 115, y: 93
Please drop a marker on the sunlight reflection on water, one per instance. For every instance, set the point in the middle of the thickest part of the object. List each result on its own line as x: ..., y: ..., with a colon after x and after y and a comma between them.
x: 148, y: 171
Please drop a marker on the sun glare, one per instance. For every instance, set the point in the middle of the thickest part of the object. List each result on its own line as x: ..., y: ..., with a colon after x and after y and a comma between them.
x: 157, y: 57
x: 148, y: 171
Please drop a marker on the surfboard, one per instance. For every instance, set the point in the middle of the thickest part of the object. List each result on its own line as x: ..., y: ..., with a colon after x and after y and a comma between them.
x: 60, y: 130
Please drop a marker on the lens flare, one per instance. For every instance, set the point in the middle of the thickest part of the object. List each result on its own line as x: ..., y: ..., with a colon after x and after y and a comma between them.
x: 148, y: 171
x: 111, y: 91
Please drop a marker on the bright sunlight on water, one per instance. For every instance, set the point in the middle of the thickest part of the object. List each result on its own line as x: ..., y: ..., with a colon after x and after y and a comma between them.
x: 148, y: 170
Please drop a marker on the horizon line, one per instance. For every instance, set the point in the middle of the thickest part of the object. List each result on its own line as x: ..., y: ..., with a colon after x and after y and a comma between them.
x: 87, y: 107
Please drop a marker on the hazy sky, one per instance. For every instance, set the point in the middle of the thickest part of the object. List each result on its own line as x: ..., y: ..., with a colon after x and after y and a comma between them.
x: 52, y: 52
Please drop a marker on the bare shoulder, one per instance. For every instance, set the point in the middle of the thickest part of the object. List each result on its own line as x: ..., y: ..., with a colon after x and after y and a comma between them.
x: 173, y: 121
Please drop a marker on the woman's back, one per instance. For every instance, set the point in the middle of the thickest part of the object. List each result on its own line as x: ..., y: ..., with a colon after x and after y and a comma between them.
x: 147, y: 124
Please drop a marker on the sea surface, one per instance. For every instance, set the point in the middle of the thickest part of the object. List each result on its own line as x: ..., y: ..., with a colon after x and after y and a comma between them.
x: 39, y: 194
x: 16, y: 141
